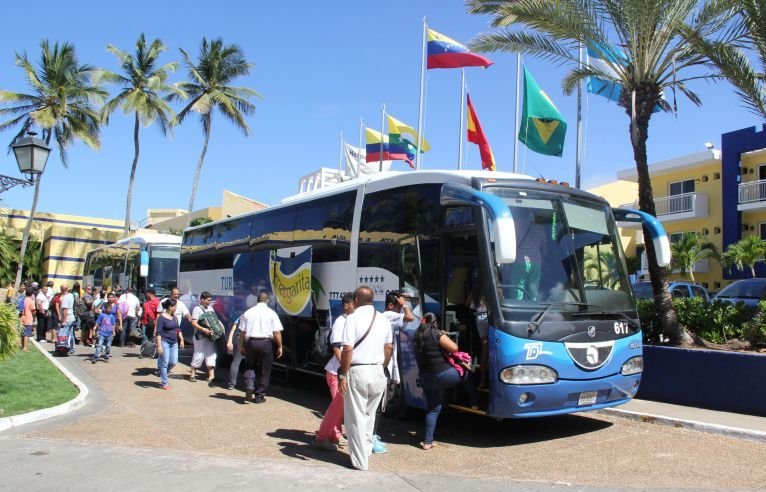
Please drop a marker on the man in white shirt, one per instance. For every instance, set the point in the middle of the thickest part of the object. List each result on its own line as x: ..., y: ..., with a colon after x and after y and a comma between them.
x: 131, y: 319
x: 329, y: 433
x: 367, y: 347
x: 260, y: 330
x: 204, y: 348
x: 44, y: 319
x: 182, y: 311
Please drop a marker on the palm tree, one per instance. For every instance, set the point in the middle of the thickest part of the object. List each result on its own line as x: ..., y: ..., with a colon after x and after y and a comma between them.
x: 61, y: 103
x: 745, y: 253
x: 8, y: 256
x: 656, y: 57
x: 749, y: 28
x: 208, y: 88
x: 599, y: 267
x: 690, y: 250
x: 144, y: 85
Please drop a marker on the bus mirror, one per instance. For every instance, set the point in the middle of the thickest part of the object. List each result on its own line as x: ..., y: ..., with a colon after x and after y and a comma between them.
x: 653, y: 226
x: 504, y: 230
x: 505, y: 240
x: 143, y: 266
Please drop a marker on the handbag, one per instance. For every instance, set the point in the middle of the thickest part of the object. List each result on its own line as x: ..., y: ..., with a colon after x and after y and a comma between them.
x: 149, y: 349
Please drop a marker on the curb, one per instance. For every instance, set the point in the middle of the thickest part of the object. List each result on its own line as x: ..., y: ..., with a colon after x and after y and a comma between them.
x: 737, y: 432
x: 46, y: 413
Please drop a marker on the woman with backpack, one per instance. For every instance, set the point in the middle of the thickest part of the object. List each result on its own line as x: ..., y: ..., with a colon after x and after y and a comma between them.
x: 438, y: 372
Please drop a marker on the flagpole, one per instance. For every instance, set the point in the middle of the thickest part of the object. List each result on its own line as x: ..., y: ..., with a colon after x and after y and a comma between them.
x: 516, y: 120
x: 578, y: 151
x: 420, y: 99
x: 340, y: 157
x: 382, y: 127
x: 462, y: 118
x: 361, y: 130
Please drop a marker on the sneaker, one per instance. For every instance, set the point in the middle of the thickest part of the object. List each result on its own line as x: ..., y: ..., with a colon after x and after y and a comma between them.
x: 259, y: 399
x: 378, y: 447
x: 229, y: 386
x: 325, y: 445
x: 211, y: 382
x: 248, y: 396
x: 93, y: 360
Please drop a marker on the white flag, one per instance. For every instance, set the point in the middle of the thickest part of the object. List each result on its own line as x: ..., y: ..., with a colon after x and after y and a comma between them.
x: 356, y: 165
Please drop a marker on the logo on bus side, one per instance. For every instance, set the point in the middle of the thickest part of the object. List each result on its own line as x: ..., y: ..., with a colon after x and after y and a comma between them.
x: 535, y: 350
x: 290, y: 275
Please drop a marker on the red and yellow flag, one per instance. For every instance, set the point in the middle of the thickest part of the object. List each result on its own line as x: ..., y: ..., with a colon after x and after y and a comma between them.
x: 476, y: 135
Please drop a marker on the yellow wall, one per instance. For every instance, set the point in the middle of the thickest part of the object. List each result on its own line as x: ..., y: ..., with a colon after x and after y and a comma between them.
x: 619, y: 193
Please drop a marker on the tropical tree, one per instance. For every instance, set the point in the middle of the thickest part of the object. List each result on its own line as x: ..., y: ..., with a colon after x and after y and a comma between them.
x: 9, y: 256
x: 62, y: 103
x: 200, y: 221
x: 745, y: 253
x: 599, y: 267
x: 144, y: 85
x: 689, y: 250
x: 208, y: 88
x: 653, y: 56
x: 748, y: 26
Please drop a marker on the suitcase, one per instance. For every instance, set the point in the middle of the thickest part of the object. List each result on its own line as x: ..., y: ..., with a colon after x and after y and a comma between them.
x: 149, y: 349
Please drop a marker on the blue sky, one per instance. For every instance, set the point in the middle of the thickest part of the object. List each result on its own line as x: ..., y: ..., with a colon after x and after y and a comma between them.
x: 320, y: 66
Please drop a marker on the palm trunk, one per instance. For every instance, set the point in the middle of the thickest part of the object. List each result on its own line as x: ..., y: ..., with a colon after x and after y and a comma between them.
x: 25, y: 235
x: 691, y: 274
x: 126, y: 229
x: 752, y: 271
x: 199, y: 170
x: 645, y: 99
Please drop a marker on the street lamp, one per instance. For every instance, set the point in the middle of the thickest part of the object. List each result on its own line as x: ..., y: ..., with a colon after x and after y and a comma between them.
x: 31, y: 156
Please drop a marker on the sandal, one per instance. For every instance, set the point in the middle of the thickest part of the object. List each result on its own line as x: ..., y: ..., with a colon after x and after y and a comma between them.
x: 192, y: 379
x: 426, y: 447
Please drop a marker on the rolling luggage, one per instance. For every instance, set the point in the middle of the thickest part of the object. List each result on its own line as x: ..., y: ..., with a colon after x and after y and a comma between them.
x: 65, y: 340
x: 149, y: 349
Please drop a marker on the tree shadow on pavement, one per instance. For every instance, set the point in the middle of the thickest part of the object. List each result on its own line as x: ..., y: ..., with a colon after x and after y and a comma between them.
x: 298, y: 444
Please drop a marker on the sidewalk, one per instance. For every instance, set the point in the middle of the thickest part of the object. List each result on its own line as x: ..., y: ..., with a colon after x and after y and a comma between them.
x: 699, y: 419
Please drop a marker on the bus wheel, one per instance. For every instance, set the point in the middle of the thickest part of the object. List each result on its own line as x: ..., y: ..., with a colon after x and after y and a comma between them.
x: 396, y: 405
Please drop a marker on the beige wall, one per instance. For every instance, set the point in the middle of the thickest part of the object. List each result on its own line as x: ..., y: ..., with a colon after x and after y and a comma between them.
x: 231, y: 206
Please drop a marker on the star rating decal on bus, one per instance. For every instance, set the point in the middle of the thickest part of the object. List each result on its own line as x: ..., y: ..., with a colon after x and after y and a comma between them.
x: 371, y: 279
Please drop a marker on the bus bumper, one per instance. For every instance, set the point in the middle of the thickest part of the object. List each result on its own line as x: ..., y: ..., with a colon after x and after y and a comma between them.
x: 564, y: 396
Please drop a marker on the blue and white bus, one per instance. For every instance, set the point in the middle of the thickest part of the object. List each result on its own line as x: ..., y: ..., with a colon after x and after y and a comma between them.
x: 140, y: 261
x: 564, y: 335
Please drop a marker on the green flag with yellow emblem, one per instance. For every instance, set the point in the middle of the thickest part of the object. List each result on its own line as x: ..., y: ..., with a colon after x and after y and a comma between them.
x: 542, y: 127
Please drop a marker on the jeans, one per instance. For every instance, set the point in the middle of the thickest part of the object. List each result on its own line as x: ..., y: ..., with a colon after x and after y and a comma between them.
x: 128, y: 324
x: 104, y: 342
x: 167, y: 360
x: 433, y: 387
x: 147, y: 332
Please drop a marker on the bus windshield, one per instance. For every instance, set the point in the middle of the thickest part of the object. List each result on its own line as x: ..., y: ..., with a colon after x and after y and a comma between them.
x: 568, y: 257
x: 163, y: 268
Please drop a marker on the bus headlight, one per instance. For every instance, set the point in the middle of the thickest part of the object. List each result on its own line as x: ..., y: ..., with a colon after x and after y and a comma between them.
x: 634, y: 365
x: 528, y: 374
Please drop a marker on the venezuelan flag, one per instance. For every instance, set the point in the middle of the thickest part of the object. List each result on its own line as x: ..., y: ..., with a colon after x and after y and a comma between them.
x: 444, y: 52
x: 373, y: 148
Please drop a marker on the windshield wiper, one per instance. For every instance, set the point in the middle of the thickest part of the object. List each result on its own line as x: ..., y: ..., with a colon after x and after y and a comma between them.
x: 534, y: 325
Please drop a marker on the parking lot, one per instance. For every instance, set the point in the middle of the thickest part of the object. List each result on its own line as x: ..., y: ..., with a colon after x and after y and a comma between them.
x: 587, y: 449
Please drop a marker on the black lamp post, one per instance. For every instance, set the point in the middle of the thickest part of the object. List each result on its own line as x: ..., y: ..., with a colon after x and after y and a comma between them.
x: 31, y: 156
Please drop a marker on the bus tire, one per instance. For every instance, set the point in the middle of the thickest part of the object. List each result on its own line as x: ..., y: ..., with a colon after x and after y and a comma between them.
x: 396, y: 404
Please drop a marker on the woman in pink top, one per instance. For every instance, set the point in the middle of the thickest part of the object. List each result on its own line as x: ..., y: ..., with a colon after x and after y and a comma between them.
x: 28, y: 317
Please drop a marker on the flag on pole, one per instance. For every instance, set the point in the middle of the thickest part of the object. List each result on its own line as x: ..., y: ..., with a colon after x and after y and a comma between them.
x: 403, y: 139
x: 542, y: 127
x: 373, y: 139
x: 476, y: 135
x: 444, y: 52
x: 609, y: 87
x: 356, y: 164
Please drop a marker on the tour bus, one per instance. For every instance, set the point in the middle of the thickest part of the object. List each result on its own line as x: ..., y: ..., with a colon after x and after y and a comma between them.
x: 564, y: 335
x: 140, y: 261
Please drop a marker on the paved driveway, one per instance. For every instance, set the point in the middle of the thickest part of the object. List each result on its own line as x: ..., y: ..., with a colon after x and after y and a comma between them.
x: 586, y: 449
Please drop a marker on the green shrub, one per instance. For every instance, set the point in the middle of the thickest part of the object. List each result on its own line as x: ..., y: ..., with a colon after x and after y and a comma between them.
x: 9, y: 331
x: 716, y: 322
x: 754, y: 331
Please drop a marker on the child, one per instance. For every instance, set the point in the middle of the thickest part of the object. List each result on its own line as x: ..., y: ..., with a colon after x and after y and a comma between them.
x: 105, y: 326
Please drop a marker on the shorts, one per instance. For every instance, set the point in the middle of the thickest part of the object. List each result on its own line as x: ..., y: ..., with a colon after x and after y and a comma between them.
x: 28, y: 331
x: 204, y: 350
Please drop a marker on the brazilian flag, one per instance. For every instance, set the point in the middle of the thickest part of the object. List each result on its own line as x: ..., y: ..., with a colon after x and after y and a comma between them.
x: 542, y: 127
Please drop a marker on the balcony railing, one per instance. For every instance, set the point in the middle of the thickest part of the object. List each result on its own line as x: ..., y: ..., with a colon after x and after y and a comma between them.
x: 754, y: 191
x: 677, y: 204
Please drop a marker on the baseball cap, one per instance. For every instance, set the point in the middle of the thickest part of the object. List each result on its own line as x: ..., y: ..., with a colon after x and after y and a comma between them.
x: 50, y: 283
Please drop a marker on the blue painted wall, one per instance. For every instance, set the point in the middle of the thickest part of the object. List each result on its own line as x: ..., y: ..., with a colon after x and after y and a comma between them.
x: 726, y: 381
x: 733, y: 145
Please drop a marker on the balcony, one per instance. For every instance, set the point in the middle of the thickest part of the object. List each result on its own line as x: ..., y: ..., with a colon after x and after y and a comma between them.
x: 675, y: 208
x: 752, y: 196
